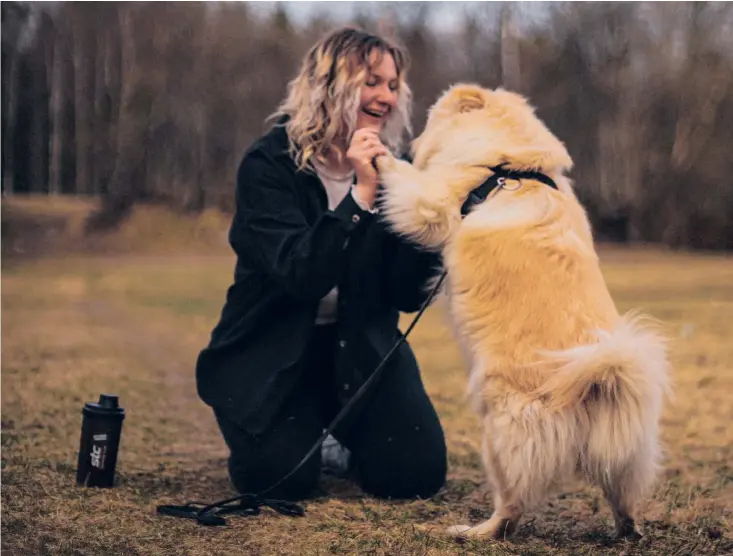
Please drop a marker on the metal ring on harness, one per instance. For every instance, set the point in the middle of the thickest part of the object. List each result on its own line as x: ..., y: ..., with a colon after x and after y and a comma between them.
x: 504, y: 184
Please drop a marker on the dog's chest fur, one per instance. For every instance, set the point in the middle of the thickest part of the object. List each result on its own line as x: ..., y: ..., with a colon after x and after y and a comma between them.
x: 514, y: 292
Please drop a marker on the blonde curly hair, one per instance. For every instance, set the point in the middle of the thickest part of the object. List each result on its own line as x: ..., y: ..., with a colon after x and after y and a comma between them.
x: 323, y: 100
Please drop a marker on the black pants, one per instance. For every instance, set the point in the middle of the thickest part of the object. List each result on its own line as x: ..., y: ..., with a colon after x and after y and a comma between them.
x: 395, y: 438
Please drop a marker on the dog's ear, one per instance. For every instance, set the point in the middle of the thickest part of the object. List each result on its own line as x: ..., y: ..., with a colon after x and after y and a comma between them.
x: 471, y: 99
x: 464, y: 98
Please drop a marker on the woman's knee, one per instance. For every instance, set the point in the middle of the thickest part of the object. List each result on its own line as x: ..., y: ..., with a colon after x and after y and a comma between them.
x: 403, y: 459
x: 259, y: 461
x: 411, y: 474
x: 419, y: 481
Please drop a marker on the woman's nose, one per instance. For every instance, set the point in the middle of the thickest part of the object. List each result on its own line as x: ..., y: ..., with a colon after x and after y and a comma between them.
x: 387, y: 96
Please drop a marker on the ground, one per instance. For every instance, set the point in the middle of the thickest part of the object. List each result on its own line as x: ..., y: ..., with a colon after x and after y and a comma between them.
x: 128, y: 316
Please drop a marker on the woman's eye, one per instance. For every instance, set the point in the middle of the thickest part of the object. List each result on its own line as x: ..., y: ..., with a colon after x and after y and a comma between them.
x: 371, y: 83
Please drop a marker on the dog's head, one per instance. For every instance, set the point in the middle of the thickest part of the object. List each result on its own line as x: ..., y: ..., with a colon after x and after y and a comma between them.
x: 473, y: 127
x: 470, y: 126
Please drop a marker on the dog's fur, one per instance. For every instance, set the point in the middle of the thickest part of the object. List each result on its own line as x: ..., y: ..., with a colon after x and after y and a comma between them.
x: 561, y: 381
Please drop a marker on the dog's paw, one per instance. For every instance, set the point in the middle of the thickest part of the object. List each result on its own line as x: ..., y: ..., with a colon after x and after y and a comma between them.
x: 626, y: 531
x: 430, y: 215
x: 633, y: 536
x: 458, y: 530
x: 496, y: 528
x: 385, y: 163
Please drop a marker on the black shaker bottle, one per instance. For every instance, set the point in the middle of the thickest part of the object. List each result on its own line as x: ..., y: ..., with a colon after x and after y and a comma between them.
x: 100, y: 438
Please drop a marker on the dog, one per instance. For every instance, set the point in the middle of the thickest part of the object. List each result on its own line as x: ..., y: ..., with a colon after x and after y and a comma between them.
x: 563, y: 384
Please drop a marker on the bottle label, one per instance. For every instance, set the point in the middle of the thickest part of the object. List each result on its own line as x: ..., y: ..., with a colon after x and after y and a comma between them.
x: 98, y: 456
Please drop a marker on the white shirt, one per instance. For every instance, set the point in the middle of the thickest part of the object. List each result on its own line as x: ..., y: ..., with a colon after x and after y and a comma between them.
x: 337, y: 187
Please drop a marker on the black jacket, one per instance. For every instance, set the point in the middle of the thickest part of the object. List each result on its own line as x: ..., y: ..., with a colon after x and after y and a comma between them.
x: 291, y: 251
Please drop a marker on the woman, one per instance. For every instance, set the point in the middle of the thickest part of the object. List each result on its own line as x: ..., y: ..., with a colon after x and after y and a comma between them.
x: 318, y: 286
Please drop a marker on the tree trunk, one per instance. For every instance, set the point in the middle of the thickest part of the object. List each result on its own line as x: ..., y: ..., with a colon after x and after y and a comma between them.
x: 56, y: 133
x: 125, y: 185
x: 38, y: 137
x: 10, y: 118
x: 101, y: 114
x: 510, y: 70
x: 83, y: 106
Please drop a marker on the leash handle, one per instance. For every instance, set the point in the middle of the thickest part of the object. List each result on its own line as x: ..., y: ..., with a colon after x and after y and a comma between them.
x: 248, y: 505
x: 188, y: 511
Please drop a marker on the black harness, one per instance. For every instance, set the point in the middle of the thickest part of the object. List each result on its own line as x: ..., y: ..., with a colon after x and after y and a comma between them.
x: 499, y: 179
x: 250, y: 504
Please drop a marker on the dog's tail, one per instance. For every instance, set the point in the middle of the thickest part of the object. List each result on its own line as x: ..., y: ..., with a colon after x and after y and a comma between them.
x: 627, y: 367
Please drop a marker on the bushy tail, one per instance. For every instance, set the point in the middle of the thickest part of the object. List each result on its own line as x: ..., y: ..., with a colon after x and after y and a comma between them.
x: 627, y: 366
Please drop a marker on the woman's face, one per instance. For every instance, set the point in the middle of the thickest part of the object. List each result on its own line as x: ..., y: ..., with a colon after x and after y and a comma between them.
x: 379, y: 93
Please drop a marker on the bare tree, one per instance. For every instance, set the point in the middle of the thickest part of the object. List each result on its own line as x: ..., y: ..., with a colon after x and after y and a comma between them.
x: 18, y: 21
x: 510, y: 62
x: 156, y: 102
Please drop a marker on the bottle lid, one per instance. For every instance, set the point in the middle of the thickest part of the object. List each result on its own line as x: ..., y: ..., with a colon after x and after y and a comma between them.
x: 108, y: 405
x: 109, y: 401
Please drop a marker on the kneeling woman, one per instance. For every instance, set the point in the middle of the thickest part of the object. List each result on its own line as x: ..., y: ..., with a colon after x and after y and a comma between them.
x: 318, y: 286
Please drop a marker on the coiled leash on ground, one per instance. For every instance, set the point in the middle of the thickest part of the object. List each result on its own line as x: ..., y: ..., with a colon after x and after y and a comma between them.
x: 250, y: 504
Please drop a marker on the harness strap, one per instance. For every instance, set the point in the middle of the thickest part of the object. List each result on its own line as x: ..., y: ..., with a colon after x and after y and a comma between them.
x: 498, y: 179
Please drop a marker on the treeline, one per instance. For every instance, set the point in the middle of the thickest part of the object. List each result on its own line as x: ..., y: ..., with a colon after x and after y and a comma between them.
x: 156, y: 101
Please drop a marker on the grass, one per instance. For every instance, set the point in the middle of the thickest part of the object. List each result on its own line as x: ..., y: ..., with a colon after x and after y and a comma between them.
x: 133, y: 323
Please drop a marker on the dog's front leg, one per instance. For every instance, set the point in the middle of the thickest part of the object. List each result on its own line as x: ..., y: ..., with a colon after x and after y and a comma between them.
x: 417, y: 204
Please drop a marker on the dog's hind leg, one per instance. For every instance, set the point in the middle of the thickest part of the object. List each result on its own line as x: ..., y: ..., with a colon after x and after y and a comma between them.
x: 625, y: 483
x: 618, y: 491
x: 622, y: 513
x: 521, y: 459
x: 508, y: 507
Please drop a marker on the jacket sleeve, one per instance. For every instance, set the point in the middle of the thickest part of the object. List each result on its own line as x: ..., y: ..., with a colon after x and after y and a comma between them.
x: 270, y: 230
x: 409, y: 273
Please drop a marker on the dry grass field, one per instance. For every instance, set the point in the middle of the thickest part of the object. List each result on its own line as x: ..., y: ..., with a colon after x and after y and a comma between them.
x: 129, y: 319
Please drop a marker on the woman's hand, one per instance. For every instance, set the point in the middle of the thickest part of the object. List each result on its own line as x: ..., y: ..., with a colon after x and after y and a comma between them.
x: 364, y: 148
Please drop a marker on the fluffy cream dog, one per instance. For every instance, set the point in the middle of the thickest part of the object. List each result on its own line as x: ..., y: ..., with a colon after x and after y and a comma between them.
x: 561, y: 381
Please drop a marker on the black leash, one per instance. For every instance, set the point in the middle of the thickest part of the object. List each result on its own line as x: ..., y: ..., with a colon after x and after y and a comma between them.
x: 251, y: 504
x: 247, y: 505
